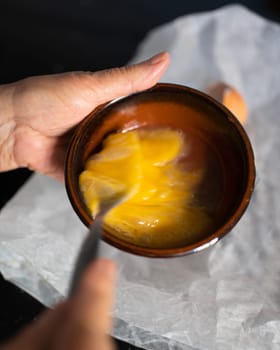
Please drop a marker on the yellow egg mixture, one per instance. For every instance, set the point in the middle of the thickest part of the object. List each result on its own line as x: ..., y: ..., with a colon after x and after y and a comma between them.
x: 143, y: 165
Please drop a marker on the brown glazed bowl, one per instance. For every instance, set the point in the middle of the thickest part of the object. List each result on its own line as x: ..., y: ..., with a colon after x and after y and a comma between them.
x: 218, y: 140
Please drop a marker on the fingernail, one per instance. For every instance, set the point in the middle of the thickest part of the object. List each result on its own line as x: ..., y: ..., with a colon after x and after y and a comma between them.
x: 105, y: 266
x: 157, y: 58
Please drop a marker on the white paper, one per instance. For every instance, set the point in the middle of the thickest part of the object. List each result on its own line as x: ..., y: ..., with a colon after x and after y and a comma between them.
x: 224, y: 298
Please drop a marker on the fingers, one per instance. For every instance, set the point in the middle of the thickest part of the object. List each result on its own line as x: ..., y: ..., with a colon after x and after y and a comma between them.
x: 45, y: 108
x: 89, y: 319
x: 117, y: 82
x: 95, y: 296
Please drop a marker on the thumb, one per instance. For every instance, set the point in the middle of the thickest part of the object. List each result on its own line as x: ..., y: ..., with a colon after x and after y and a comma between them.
x: 109, y: 84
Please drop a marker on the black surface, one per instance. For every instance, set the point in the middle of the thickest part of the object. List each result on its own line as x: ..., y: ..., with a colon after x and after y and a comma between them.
x: 41, y: 37
x: 51, y: 36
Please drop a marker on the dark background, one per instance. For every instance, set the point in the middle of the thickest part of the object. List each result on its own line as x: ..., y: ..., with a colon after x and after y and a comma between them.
x: 44, y: 37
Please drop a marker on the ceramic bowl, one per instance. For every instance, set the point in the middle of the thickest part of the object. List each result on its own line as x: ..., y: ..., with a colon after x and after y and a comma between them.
x: 218, y: 141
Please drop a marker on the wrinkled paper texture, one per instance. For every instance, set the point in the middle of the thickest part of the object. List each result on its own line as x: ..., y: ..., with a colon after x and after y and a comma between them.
x: 226, y: 297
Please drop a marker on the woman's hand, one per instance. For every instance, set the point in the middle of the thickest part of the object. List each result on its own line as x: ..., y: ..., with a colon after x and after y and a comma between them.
x: 82, y: 323
x: 37, y: 114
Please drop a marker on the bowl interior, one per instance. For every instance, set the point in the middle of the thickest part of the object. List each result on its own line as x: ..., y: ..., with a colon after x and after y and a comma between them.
x: 218, y: 142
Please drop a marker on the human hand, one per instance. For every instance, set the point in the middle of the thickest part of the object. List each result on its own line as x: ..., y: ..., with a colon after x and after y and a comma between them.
x: 81, y: 323
x: 38, y: 113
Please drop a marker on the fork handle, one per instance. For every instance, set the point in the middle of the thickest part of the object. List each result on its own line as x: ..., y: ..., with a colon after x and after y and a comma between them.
x: 88, y: 253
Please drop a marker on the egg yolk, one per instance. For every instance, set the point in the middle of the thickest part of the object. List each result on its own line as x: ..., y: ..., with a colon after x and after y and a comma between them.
x: 143, y: 165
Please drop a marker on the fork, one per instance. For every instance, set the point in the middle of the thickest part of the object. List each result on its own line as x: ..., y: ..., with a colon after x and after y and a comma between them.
x: 90, y: 247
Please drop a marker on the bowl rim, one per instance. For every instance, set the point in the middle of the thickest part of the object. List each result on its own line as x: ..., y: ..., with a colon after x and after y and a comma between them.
x: 191, y: 248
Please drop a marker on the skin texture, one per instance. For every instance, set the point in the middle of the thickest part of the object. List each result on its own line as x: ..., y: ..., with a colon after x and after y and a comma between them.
x: 38, y: 114
x: 37, y: 117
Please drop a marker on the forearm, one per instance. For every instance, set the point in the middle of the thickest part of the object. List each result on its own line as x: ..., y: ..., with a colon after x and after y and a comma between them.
x: 7, y: 126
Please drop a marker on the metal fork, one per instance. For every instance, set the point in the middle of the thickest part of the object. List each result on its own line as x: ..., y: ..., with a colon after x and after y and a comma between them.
x: 90, y: 247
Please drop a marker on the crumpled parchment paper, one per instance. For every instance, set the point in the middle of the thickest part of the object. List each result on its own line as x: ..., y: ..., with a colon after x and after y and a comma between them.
x: 227, y: 297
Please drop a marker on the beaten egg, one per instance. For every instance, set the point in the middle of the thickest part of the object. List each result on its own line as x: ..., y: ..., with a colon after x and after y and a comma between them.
x: 144, y: 165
